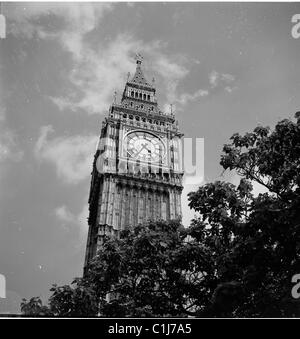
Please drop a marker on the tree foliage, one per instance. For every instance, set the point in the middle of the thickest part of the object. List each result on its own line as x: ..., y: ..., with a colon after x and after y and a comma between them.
x: 235, y: 260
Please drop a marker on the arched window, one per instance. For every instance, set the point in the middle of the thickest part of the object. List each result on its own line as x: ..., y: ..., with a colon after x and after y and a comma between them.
x: 136, y: 94
x: 141, y: 96
x: 148, y: 97
x: 144, y: 96
x: 132, y: 93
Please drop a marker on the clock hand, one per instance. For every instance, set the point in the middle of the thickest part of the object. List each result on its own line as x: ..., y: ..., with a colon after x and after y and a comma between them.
x: 143, y: 146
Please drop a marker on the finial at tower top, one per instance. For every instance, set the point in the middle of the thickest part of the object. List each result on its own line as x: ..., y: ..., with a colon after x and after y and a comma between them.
x: 139, y: 77
x: 139, y: 58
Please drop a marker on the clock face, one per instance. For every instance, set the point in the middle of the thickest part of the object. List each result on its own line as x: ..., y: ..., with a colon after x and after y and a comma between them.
x: 144, y: 146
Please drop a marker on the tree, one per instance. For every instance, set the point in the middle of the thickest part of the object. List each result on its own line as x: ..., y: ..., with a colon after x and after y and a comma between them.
x: 255, y: 240
x: 143, y: 272
x: 76, y: 300
x: 34, y: 307
x: 235, y: 260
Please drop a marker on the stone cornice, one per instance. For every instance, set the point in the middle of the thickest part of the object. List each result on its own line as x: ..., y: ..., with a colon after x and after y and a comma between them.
x: 128, y: 110
x: 129, y: 179
x: 140, y: 86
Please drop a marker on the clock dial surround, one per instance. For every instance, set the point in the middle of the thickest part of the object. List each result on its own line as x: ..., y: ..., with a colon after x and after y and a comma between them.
x: 144, y: 146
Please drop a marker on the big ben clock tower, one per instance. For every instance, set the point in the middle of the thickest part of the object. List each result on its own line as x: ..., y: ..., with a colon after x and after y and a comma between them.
x: 137, y: 171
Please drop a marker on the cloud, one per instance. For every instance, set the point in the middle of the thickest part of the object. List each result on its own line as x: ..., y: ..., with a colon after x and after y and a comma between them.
x: 69, y: 219
x: 96, y: 70
x: 183, y: 99
x: 97, y: 74
x: 217, y: 79
x: 64, y: 214
x: 229, y: 89
x: 171, y: 72
x: 76, y: 17
x: 8, y: 140
x: 213, y: 79
x: 8, y: 146
x: 71, y: 156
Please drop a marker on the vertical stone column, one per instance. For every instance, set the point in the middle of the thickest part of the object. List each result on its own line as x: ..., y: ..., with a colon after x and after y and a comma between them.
x: 120, y: 206
x: 163, y: 206
x: 161, y: 192
x: 124, y: 207
x: 139, y: 203
x: 111, y: 202
x: 102, y: 203
x: 131, y: 205
x: 107, y: 200
x: 157, y: 204
x: 99, y: 202
x: 175, y: 203
x: 136, y: 206
x: 147, y: 204
x: 171, y: 204
x: 144, y: 195
x: 179, y: 212
x: 168, y: 212
x: 116, y: 207
x: 151, y: 194
x: 133, y: 198
x: 127, y: 206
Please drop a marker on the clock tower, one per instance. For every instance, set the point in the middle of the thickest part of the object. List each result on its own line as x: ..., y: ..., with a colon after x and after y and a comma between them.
x: 137, y: 170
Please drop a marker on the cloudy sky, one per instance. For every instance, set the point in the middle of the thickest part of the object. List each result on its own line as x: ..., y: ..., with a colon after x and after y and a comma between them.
x: 225, y: 67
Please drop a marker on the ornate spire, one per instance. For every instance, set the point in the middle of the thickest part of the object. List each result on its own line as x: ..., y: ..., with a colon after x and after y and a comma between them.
x: 139, y: 58
x: 139, y: 77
